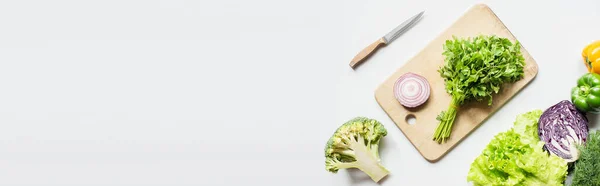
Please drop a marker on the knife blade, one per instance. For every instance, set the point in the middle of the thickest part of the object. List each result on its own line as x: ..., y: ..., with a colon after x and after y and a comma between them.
x: 385, y: 40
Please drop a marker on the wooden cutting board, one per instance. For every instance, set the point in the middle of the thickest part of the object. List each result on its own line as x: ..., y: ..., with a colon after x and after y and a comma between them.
x: 479, y: 19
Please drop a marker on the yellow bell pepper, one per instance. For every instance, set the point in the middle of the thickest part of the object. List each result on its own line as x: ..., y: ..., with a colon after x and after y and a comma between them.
x: 591, y: 56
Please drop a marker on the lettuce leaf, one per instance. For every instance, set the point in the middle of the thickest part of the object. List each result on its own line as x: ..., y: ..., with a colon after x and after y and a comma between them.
x: 516, y: 157
x: 526, y: 125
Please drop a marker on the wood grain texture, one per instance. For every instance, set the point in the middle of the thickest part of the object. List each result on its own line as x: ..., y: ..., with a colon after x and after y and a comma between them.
x: 479, y: 19
x: 363, y: 54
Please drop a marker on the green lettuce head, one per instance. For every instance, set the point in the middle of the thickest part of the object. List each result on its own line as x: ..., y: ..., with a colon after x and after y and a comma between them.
x: 516, y: 157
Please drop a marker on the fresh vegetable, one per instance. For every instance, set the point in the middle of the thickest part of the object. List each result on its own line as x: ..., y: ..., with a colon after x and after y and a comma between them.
x: 586, y: 95
x: 476, y: 68
x: 411, y: 90
x: 587, y: 168
x: 355, y: 144
x: 591, y: 56
x: 562, y: 127
x: 516, y: 157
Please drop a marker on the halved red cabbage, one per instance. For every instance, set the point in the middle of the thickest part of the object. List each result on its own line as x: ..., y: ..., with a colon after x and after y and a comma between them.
x: 561, y: 127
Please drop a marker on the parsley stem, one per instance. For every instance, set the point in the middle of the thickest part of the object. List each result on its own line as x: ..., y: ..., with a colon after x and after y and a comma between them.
x: 444, y: 129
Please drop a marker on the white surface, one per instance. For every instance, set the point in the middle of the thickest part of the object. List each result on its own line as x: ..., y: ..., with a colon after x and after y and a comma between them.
x: 236, y: 92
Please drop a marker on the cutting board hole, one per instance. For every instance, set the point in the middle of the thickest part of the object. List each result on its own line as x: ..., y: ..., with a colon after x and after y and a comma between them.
x: 411, y: 119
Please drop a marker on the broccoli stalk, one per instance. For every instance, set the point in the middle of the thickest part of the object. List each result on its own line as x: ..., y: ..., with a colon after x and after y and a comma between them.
x: 355, y: 144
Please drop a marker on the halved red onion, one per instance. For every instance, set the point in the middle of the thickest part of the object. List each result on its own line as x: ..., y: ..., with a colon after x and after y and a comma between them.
x: 411, y: 90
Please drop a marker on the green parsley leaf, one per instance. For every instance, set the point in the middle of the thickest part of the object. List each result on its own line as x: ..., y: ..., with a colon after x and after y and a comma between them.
x: 475, y: 69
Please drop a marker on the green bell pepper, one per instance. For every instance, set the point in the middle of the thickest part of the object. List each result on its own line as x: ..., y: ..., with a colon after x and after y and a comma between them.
x: 586, y: 95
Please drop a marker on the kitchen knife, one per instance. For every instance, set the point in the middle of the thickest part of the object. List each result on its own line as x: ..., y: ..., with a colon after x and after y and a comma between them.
x: 388, y: 38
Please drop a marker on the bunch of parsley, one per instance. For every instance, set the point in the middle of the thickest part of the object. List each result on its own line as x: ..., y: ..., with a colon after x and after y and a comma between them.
x: 474, y: 69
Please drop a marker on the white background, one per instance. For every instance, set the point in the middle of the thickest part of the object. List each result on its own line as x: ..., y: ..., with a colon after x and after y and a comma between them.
x: 237, y: 92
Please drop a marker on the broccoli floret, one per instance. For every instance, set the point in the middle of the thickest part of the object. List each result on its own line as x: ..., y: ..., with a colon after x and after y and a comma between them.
x: 355, y: 144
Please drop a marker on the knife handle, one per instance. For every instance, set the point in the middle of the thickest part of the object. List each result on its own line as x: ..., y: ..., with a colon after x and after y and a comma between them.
x: 366, y: 52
